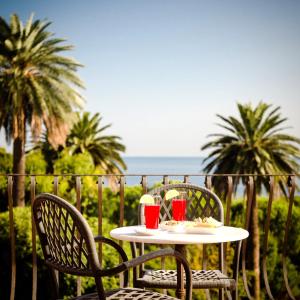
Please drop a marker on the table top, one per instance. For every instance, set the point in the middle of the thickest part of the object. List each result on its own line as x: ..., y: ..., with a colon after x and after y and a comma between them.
x: 222, y: 234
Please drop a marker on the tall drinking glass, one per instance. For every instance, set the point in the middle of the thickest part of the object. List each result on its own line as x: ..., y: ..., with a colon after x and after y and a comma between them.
x: 179, y: 207
x: 152, y: 214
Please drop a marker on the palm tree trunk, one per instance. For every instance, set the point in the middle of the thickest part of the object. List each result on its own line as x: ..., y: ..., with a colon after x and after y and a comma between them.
x: 256, y: 246
x: 19, y: 159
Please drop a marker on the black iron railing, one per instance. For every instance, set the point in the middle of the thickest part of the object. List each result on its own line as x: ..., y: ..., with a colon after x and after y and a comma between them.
x: 142, y: 179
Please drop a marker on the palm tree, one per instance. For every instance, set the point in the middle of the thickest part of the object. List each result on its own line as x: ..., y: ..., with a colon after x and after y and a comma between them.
x: 38, y: 87
x: 255, y: 144
x: 87, y: 136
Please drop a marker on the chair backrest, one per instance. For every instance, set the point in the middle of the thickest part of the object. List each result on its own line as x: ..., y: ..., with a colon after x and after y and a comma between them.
x: 66, y: 238
x: 201, y: 202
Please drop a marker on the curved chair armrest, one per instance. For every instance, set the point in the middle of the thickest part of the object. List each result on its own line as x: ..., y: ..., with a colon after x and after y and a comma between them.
x: 112, y: 243
x: 149, y: 256
x: 121, y: 252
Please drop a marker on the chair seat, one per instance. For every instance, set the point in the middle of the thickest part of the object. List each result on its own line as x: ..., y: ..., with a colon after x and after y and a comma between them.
x: 127, y: 294
x: 202, y: 279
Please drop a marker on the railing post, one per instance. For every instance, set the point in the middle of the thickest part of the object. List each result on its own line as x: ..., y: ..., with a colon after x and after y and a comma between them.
x: 163, y: 260
x: 165, y: 180
x: 227, y: 216
x: 266, y: 235
x: 208, y: 182
x: 55, y: 185
x: 250, y: 191
x: 141, y: 245
x: 78, y: 206
x: 144, y: 184
x: 121, y: 221
x: 100, y: 214
x: 208, y: 185
x: 55, y: 273
x: 291, y: 188
x: 33, y: 231
x: 122, y: 200
x: 12, y: 238
x: 186, y: 179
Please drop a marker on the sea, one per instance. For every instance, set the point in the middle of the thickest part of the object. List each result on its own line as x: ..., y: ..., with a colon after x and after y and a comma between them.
x: 155, y: 165
x: 165, y: 165
x: 175, y: 167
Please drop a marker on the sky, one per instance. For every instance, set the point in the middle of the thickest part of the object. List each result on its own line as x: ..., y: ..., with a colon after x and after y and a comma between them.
x: 160, y: 71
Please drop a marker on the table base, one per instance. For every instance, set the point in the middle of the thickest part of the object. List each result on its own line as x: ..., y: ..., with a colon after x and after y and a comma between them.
x: 180, y: 292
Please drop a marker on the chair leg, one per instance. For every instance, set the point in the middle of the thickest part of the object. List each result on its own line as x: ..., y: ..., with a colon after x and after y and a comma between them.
x: 235, y: 295
x: 54, y: 283
x: 134, y: 271
x: 221, y: 294
x: 207, y: 294
x: 228, y: 294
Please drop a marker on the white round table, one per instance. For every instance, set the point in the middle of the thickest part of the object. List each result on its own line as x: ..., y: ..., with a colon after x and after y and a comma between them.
x: 221, y: 235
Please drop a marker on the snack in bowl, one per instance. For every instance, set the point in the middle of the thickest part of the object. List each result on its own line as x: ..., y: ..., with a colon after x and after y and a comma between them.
x: 171, y: 223
x: 172, y: 226
x: 207, y: 222
x: 203, y: 226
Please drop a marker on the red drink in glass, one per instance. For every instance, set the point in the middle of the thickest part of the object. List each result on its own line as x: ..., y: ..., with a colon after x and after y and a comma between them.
x: 179, y: 207
x: 152, y: 216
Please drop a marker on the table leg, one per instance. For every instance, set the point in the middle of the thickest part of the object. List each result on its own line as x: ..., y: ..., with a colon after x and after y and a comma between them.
x: 180, y: 292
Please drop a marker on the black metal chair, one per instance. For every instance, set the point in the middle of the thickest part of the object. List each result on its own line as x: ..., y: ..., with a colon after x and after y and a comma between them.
x: 201, y: 202
x: 69, y: 246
